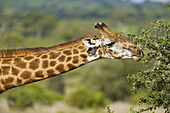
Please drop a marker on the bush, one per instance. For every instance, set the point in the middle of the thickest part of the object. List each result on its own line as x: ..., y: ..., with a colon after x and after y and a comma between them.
x: 56, y: 84
x: 156, y: 43
x: 84, y: 98
x: 11, y: 40
x: 25, y: 97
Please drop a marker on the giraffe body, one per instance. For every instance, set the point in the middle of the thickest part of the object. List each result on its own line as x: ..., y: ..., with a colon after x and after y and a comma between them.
x: 23, y: 66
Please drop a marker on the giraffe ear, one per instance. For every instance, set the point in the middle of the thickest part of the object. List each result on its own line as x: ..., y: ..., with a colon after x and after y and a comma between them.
x: 91, y: 43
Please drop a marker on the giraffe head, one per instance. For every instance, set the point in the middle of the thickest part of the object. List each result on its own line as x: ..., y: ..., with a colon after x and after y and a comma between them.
x: 111, y: 45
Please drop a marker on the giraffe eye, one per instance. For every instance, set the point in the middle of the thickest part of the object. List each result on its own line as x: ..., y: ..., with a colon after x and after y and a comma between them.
x: 110, y: 44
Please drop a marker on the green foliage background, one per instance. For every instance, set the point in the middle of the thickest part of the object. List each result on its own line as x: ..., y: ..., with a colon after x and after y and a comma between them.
x: 30, y: 23
x: 84, y: 98
x: 31, y: 94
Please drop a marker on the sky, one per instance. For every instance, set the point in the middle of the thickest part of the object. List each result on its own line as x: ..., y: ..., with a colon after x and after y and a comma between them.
x: 140, y: 1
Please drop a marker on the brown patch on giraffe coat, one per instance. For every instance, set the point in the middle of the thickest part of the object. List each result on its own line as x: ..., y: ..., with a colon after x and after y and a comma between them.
x: 122, y: 56
x: 75, y: 46
x: 5, y: 70
x: 39, y: 74
x: 83, y: 50
x: 95, y: 55
x: 44, y: 56
x: 83, y: 55
x: 68, y: 59
x: 60, y: 68
x: 54, y: 55
x: 0, y: 72
x: 67, y: 52
x: 38, y: 55
x: 80, y: 47
x: 9, y: 80
x: 62, y: 58
x: 26, y: 75
x: 115, y: 52
x: 52, y: 63
x: 19, y: 63
x: 85, y: 60
x: 118, y: 57
x: 6, y: 61
x: 71, y: 66
x: 100, y: 52
x: 125, y: 45
x: 45, y: 64
x: 3, y: 81
x: 75, y: 59
x: 28, y: 58
x: 15, y: 71
x: 19, y: 81
x: 50, y: 72
x: 75, y: 51
x: 9, y: 86
x: 34, y: 64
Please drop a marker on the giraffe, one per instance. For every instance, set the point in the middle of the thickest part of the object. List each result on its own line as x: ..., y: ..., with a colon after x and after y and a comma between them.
x: 22, y: 66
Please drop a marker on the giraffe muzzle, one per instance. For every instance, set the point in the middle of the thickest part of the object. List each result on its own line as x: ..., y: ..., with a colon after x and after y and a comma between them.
x: 139, y: 56
x: 142, y: 54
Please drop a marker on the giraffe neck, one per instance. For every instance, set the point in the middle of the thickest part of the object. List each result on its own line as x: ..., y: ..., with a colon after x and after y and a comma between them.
x: 20, y: 70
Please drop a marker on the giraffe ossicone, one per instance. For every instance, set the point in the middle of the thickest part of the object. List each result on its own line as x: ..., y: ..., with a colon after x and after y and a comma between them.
x: 22, y: 66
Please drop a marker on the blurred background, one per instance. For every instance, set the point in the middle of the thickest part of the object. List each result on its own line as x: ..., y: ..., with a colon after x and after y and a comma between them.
x: 90, y: 88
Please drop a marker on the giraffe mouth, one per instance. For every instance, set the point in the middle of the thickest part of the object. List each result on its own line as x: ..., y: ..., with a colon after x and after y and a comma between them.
x: 138, y: 57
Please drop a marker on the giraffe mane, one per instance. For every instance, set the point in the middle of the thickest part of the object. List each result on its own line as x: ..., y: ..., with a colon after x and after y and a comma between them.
x: 39, y: 50
x: 21, y: 52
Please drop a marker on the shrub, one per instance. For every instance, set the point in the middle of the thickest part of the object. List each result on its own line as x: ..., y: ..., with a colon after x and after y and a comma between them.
x: 11, y: 40
x: 25, y: 97
x: 84, y: 98
x: 56, y: 84
x: 156, y: 43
